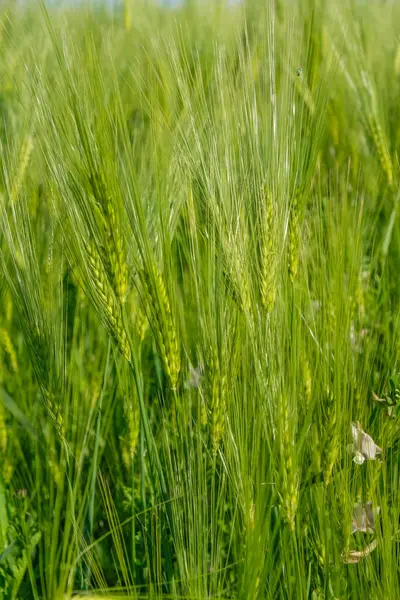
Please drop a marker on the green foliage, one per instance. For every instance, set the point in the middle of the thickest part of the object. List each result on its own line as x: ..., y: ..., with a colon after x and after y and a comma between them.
x: 199, y: 251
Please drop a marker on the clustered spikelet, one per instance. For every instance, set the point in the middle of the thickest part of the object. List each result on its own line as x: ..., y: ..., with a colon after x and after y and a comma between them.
x: 307, y: 381
x: 50, y: 257
x: 117, y: 264
x: 133, y: 427
x: 316, y: 448
x: 294, y: 235
x: 381, y: 148
x: 331, y: 446
x: 238, y: 289
x: 40, y: 355
x: 252, y: 515
x: 245, y: 296
x: 234, y: 273
x: 360, y: 303
x: 112, y: 311
x: 203, y: 412
x: 290, y: 480
x: 130, y: 440
x: 25, y: 157
x: 53, y: 408
x: 8, y: 347
x: 305, y: 93
x: 54, y: 411
x: 217, y: 391
x: 113, y: 255
x: 268, y: 256
x: 164, y: 326
x: 140, y: 320
x: 142, y: 323
x: 55, y: 470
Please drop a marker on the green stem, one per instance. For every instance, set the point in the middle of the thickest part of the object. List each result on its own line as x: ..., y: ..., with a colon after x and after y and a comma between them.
x: 153, y: 454
x: 90, y: 513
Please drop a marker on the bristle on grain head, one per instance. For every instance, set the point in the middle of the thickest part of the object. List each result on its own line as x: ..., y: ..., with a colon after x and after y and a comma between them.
x: 104, y: 294
x: 163, y: 322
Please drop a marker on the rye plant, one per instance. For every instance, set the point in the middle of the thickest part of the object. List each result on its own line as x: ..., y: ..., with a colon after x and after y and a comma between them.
x: 199, y: 301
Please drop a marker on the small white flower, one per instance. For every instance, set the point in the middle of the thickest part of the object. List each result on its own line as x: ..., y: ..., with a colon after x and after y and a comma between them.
x: 363, y: 444
x: 358, y: 458
x: 364, y: 517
